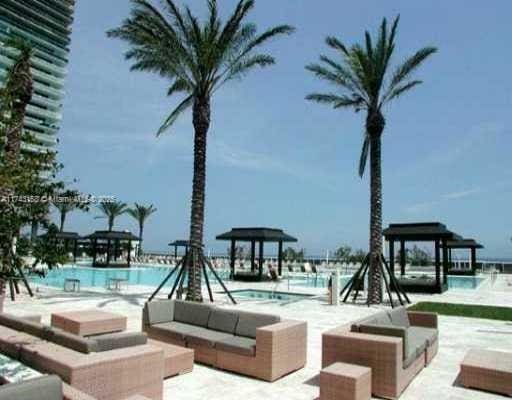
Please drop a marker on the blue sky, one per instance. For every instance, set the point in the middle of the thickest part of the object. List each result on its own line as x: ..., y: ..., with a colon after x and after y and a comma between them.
x: 276, y: 160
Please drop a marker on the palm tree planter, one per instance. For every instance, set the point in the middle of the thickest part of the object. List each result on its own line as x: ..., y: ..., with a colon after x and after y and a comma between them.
x: 361, y: 80
x: 198, y: 58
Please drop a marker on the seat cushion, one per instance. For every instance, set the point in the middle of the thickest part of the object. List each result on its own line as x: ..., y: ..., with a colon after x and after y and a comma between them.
x: 174, y: 330
x: 238, y: 345
x: 223, y: 320
x: 205, y: 337
x: 429, y: 335
x: 159, y: 311
x: 249, y: 322
x: 21, y: 324
x: 399, y: 317
x: 43, y: 388
x: 192, y: 313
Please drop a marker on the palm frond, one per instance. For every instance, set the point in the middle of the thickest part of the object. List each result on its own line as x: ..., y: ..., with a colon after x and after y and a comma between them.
x: 185, y: 104
x: 363, y: 158
x: 399, y: 90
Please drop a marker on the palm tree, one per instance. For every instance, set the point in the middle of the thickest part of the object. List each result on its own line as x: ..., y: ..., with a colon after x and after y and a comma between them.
x: 363, y: 82
x: 63, y: 208
x: 14, y: 97
x: 198, y: 58
x: 141, y: 214
x: 111, y: 210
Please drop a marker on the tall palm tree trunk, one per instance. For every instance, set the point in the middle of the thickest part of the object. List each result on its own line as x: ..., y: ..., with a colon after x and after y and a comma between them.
x: 375, y: 126
x: 62, y: 220
x: 141, y: 232
x: 201, y: 121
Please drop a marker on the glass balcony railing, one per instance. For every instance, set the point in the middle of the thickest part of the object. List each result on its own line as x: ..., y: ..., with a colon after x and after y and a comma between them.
x: 42, y: 113
x: 52, y: 69
x: 37, y: 124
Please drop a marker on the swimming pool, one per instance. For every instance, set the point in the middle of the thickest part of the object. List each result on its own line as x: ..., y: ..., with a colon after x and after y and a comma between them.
x: 322, y: 280
x: 269, y: 295
x: 98, y: 277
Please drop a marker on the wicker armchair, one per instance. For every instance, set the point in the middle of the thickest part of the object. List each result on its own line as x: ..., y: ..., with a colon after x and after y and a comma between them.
x: 395, y: 353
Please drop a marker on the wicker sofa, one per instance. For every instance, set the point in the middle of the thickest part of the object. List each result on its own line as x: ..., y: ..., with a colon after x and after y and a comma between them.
x: 395, y: 344
x: 106, y: 367
x: 259, y: 345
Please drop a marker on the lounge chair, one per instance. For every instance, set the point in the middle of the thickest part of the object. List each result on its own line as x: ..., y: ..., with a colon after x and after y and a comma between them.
x: 112, y: 366
x: 395, y: 344
x: 258, y: 345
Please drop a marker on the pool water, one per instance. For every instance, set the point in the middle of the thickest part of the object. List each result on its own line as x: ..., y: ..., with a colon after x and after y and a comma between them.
x: 322, y: 280
x: 269, y: 295
x: 99, y: 277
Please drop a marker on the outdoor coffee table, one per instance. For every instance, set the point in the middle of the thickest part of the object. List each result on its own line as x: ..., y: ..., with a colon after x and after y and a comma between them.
x: 12, y: 371
x: 178, y: 360
x: 487, y: 370
x: 116, y: 283
x: 89, y: 322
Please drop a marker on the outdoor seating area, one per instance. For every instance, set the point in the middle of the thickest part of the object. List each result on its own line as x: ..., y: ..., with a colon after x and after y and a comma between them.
x: 258, y: 345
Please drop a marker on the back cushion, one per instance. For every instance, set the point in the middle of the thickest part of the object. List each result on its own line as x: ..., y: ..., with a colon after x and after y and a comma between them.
x: 399, y: 317
x: 44, y: 388
x: 120, y: 340
x: 249, y: 322
x: 71, y: 341
x: 192, y: 313
x: 223, y: 320
x: 22, y: 325
x: 381, y: 318
x: 159, y: 311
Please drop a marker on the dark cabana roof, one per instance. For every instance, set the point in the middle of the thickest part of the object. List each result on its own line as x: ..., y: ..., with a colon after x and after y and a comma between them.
x: 419, y: 231
x: 179, y: 243
x: 63, y: 235
x: 257, y: 234
x: 112, y: 235
x: 464, y: 244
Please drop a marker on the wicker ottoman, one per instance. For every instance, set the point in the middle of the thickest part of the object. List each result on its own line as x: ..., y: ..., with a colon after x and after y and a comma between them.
x: 342, y: 381
x: 177, y: 360
x: 487, y: 370
x: 88, y: 322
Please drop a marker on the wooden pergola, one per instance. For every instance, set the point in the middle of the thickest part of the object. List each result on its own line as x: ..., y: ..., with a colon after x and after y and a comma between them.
x: 421, y: 232
x: 464, y: 244
x: 179, y: 243
x: 112, y: 243
x: 253, y: 236
x: 68, y: 239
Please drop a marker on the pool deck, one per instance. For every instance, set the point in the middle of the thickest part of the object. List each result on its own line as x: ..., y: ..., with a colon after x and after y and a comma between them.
x: 438, y: 381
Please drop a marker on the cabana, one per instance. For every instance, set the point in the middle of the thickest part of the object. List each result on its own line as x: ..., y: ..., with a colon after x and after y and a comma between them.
x: 179, y: 243
x: 260, y: 236
x: 421, y: 232
x: 469, y: 244
x: 112, y: 244
x: 69, y: 240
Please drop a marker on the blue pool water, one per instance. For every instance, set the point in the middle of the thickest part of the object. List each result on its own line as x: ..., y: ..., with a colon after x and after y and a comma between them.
x: 98, y: 277
x: 153, y: 276
x: 321, y: 281
x: 269, y: 295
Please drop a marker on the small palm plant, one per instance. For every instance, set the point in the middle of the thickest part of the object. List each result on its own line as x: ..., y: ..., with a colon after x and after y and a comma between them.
x: 111, y: 210
x: 363, y: 81
x: 198, y: 58
x: 141, y: 213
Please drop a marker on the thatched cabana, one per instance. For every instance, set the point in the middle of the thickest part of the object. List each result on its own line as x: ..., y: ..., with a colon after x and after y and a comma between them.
x: 112, y: 244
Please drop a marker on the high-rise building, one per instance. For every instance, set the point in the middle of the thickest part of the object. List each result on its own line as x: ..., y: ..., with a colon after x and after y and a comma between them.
x: 46, y: 25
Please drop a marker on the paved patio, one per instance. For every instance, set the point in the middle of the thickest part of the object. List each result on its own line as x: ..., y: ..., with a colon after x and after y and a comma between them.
x: 438, y: 381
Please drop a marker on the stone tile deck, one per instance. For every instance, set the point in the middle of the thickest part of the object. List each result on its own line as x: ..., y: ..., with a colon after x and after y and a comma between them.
x: 438, y: 381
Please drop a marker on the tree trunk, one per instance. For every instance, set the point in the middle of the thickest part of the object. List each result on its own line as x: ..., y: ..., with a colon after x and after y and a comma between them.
x: 201, y: 121
x: 2, y: 295
x: 375, y: 126
x: 141, y: 232
x: 110, y: 223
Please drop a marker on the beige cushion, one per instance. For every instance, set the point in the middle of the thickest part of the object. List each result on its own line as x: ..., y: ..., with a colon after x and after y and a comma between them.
x: 192, y: 313
x: 223, y: 320
x: 159, y: 311
x: 120, y: 340
x: 71, y: 341
x: 249, y: 322
x: 238, y: 345
x: 43, y: 388
x: 429, y: 335
x: 399, y: 317
x: 388, y: 330
x: 173, y: 330
x: 205, y: 337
